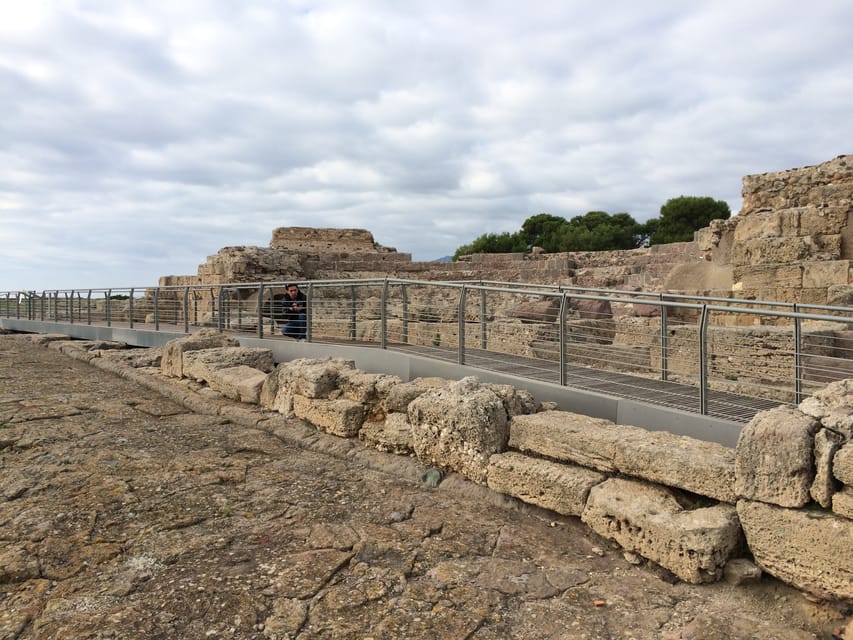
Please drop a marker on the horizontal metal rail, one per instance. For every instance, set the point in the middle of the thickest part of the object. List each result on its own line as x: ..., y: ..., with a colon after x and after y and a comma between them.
x: 725, y: 357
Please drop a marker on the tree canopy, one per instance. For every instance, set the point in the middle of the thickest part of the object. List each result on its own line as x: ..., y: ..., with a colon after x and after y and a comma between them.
x: 681, y: 217
x: 600, y: 231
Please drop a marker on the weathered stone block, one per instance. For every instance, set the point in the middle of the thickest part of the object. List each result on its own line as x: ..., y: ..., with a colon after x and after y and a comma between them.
x: 697, y: 466
x: 758, y: 278
x: 648, y: 520
x: 825, y: 273
x: 241, y: 383
x: 340, y: 417
x: 516, y: 401
x: 842, y: 502
x: 200, y: 364
x: 833, y: 406
x: 367, y: 388
x: 399, y: 396
x: 825, y: 220
x: 312, y: 377
x: 560, y: 487
x: 774, y: 459
x: 393, y: 434
x: 807, y: 549
x: 459, y: 427
x: 172, y: 362
x: 826, y: 444
x: 842, y: 464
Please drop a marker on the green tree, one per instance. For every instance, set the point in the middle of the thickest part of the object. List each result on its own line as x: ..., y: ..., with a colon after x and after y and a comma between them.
x: 493, y: 243
x: 681, y: 217
x: 542, y: 230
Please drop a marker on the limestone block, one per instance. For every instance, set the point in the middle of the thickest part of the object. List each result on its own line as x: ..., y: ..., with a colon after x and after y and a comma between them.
x: 241, y: 383
x: 825, y: 273
x: 697, y: 466
x: 842, y: 502
x: 774, y: 459
x: 200, y: 364
x: 754, y: 278
x: 559, y: 487
x: 807, y: 549
x: 592, y: 309
x: 763, y: 224
x: 339, y: 417
x: 842, y: 464
x: 459, y: 427
x: 516, y: 401
x: 172, y: 362
x: 770, y: 251
x: 833, y: 406
x: 826, y: 444
x: 539, y: 311
x: 393, y: 434
x: 825, y: 220
x: 401, y: 395
x: 367, y: 388
x: 312, y: 377
x: 646, y: 519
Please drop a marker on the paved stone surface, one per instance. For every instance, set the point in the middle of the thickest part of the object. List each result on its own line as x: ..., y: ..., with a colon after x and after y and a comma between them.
x: 124, y: 515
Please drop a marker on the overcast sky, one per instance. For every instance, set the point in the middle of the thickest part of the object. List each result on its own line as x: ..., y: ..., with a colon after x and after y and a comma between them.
x: 139, y: 137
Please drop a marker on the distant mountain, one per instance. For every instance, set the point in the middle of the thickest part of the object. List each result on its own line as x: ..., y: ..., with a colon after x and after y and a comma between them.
x: 444, y: 259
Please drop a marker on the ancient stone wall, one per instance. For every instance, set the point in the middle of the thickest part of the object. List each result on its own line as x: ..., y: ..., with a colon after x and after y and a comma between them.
x: 783, y: 495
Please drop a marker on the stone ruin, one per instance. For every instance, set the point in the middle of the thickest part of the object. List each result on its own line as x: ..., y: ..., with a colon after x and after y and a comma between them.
x: 792, y: 241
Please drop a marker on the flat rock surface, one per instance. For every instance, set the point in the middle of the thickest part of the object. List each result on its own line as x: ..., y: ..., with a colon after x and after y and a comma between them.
x: 124, y: 515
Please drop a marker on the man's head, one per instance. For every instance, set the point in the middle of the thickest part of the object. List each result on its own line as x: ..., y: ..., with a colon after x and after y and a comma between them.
x: 292, y: 289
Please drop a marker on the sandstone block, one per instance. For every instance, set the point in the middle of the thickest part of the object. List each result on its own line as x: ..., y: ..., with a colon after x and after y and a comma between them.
x: 399, y: 396
x: 339, y: 417
x: 842, y: 502
x: 172, y: 362
x: 833, y: 406
x: 393, y: 434
x: 459, y: 427
x: 842, y: 464
x: 824, y: 220
x: 697, y: 466
x: 559, y: 487
x: 313, y: 378
x: 367, y: 388
x: 825, y: 273
x: 757, y: 278
x: 763, y: 224
x: 695, y: 545
x: 774, y: 459
x: 826, y: 444
x: 516, y: 401
x: 539, y: 311
x: 241, y: 383
x: 807, y: 549
x: 200, y: 364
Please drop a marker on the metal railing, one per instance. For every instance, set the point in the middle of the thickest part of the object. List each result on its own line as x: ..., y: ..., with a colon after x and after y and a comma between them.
x: 725, y: 357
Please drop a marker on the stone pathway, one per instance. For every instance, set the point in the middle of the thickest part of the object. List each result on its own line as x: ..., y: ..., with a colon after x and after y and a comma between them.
x: 124, y: 515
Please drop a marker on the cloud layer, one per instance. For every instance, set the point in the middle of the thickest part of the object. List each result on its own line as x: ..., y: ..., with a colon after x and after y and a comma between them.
x: 140, y: 137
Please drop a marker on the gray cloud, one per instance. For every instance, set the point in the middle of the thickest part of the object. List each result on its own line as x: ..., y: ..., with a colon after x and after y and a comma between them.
x: 138, y: 138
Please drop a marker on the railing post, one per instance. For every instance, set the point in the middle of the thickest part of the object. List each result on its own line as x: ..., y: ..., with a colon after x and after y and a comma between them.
x: 41, y: 305
x: 483, y: 329
x: 308, y: 314
x: 352, y: 312
x: 69, y: 306
x: 798, y: 357
x: 564, y: 306
x: 461, y: 318
x: 404, y: 293
x: 107, y: 315
x: 130, y: 308
x: 261, y: 310
x: 89, y: 307
x: 703, y: 361
x: 186, y: 309
x: 383, y: 315
x: 220, y: 319
x: 156, y: 308
x: 664, y: 341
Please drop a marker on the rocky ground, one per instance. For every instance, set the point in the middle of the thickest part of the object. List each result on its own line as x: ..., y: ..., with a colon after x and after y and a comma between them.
x: 124, y: 515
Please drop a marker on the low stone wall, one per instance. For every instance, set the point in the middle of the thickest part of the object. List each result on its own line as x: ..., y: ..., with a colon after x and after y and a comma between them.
x: 783, y: 496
